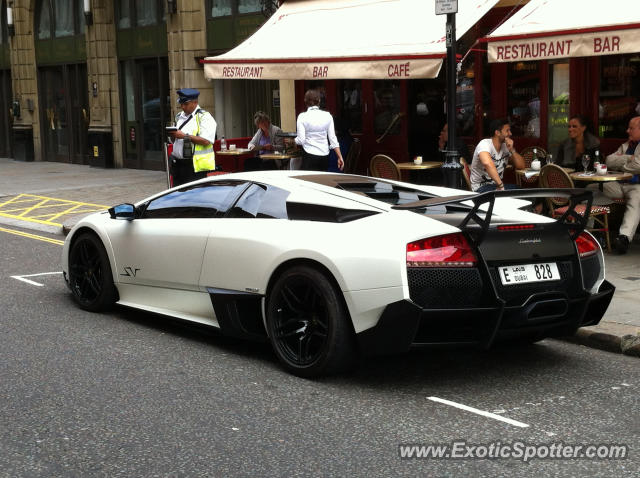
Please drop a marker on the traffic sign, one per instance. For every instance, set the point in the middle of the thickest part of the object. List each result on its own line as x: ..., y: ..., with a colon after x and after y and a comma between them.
x: 446, y: 6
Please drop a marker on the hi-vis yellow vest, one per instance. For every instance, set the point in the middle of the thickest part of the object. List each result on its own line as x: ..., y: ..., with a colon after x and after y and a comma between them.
x: 204, y: 159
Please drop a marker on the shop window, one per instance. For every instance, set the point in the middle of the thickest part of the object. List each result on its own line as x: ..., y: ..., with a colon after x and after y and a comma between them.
x: 226, y: 8
x: 140, y: 13
x: 386, y: 107
x: 248, y: 6
x: 59, y: 18
x: 558, y: 109
x: 523, y: 98
x: 350, y: 96
x: 619, y: 94
x: 465, y: 101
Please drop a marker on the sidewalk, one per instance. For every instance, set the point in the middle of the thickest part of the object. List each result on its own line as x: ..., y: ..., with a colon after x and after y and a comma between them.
x: 619, y: 330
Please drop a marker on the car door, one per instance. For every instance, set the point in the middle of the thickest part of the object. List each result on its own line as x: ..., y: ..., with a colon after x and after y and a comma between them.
x: 243, y: 242
x: 165, y: 246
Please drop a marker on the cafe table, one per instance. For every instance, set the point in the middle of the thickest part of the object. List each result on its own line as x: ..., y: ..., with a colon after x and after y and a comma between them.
x: 411, y: 166
x: 534, y: 173
x: 600, y: 179
x: 280, y: 157
x: 235, y: 155
x: 414, y: 169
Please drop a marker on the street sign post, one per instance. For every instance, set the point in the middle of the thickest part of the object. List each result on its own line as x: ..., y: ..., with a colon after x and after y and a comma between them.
x: 451, y: 168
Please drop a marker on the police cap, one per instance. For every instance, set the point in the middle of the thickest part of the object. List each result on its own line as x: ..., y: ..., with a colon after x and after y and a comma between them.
x: 187, y: 94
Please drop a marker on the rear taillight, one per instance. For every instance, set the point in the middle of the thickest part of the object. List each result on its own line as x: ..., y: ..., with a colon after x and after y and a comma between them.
x: 516, y: 227
x: 452, y: 250
x: 587, y: 245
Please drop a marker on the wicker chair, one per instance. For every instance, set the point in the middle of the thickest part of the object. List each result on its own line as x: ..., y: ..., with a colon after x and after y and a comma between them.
x: 553, y: 176
x: 466, y: 173
x: 382, y: 166
x: 351, y: 161
x: 527, y: 154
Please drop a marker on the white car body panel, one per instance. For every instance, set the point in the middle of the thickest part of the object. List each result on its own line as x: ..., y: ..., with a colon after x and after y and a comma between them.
x: 183, y: 304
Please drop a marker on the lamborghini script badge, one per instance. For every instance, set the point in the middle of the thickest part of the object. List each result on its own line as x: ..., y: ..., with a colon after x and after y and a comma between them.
x: 130, y: 271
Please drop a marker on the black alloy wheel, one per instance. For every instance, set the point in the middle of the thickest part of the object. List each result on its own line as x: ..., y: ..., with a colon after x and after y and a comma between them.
x: 308, y: 324
x: 90, y: 274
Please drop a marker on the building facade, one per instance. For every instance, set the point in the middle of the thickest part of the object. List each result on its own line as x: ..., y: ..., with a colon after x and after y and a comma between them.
x: 94, y: 82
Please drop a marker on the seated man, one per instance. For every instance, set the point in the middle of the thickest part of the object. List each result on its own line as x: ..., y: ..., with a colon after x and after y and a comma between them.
x: 627, y: 158
x: 491, y: 156
x: 460, y: 146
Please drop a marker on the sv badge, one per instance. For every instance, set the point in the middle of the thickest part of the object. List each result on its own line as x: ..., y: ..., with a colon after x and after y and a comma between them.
x: 130, y: 271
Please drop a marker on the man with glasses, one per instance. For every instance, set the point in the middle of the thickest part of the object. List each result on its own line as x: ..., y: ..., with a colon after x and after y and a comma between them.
x: 627, y: 159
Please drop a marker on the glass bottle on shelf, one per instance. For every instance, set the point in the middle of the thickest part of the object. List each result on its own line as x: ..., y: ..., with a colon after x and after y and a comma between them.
x: 223, y: 144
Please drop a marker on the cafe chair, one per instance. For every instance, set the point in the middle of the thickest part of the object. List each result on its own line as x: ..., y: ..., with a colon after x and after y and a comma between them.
x: 553, y: 176
x: 351, y: 161
x: 382, y: 166
x: 466, y: 173
x: 527, y: 154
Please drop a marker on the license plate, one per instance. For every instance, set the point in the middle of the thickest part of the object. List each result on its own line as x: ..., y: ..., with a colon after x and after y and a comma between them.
x: 525, y: 273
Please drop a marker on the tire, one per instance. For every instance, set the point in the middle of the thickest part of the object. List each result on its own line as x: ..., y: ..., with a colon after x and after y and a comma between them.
x: 90, y: 276
x: 308, y: 325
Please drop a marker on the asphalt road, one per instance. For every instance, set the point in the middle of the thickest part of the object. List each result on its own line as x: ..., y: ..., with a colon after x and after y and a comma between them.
x: 132, y: 394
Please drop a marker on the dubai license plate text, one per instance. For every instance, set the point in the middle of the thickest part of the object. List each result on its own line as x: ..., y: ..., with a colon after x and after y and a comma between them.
x: 522, y: 274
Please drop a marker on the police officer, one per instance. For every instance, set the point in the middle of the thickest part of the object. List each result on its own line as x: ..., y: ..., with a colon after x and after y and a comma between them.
x: 192, y: 155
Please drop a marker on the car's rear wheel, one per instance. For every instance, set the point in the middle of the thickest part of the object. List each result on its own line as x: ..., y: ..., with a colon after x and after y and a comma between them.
x: 90, y: 274
x: 308, y: 323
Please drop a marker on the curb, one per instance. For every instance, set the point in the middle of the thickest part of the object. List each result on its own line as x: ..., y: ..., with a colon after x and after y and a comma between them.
x: 626, y: 344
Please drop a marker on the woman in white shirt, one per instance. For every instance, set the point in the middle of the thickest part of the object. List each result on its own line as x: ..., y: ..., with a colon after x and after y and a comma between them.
x: 316, y: 134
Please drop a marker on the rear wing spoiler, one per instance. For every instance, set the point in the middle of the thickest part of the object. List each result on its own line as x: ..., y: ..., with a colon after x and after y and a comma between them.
x: 574, y: 221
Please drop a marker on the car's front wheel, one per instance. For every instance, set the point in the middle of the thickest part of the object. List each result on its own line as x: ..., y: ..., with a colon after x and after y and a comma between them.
x: 90, y: 274
x: 308, y: 324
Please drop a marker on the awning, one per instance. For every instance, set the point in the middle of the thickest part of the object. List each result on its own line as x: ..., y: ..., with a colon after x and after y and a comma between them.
x: 359, y: 39
x: 548, y: 29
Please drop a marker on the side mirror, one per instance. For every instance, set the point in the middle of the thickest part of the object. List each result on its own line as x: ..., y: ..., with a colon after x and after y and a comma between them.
x: 123, y: 211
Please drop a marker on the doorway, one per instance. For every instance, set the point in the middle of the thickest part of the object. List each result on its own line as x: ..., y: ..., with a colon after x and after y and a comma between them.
x: 146, y: 110
x: 6, y: 117
x: 64, y: 113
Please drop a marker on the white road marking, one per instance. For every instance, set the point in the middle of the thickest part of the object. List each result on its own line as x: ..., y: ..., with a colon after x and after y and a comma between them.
x: 22, y: 278
x: 479, y: 412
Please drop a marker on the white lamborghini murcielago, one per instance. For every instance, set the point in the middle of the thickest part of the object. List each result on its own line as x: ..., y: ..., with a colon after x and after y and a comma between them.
x: 325, y: 266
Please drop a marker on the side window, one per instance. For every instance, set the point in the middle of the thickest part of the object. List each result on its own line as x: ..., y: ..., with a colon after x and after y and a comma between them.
x: 200, y: 201
x: 260, y: 201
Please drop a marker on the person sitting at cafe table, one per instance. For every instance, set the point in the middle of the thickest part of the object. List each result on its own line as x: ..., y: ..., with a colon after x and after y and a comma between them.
x: 580, y: 141
x: 460, y: 146
x: 491, y: 157
x: 266, y: 140
x: 627, y: 159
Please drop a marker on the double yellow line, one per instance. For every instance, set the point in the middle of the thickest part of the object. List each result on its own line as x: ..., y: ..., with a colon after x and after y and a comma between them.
x: 32, y: 236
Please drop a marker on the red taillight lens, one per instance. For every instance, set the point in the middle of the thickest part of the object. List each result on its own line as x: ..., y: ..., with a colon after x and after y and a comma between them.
x: 452, y: 250
x: 587, y: 245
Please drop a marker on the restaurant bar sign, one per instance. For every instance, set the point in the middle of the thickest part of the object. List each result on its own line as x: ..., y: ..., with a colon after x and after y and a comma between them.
x: 324, y: 69
x: 565, y: 46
